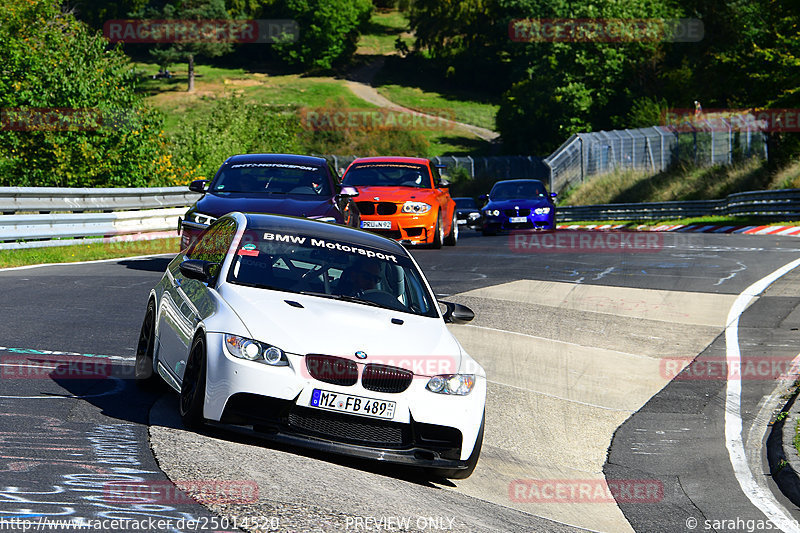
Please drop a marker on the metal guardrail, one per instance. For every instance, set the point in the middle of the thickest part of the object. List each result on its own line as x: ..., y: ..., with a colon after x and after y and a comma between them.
x: 48, y: 216
x: 783, y: 204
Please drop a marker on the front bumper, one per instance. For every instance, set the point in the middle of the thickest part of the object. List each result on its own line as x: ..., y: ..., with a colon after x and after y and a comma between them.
x: 406, y: 228
x: 427, y: 429
x: 533, y: 222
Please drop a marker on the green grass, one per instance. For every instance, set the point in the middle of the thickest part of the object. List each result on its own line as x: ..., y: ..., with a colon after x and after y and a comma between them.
x: 682, y: 183
x: 87, y: 252
x: 416, y: 84
x: 385, y: 26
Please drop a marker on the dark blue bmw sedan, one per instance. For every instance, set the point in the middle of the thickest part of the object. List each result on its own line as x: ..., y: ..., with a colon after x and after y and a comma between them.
x: 518, y: 204
x: 280, y: 184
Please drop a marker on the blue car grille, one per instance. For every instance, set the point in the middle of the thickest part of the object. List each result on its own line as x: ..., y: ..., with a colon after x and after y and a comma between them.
x: 517, y: 212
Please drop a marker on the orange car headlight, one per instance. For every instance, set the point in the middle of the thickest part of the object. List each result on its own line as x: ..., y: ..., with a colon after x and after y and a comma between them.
x: 418, y: 208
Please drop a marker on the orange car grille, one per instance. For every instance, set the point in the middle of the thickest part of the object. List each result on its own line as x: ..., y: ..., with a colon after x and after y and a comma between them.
x: 381, y: 208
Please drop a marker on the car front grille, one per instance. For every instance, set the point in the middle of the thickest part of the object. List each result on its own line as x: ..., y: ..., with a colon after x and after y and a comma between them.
x: 330, y: 369
x: 382, y: 378
x: 517, y: 212
x: 381, y: 208
x: 349, y: 428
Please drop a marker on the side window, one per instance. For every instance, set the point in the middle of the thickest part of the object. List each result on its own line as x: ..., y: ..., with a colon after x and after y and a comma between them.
x: 435, y: 174
x: 213, y: 244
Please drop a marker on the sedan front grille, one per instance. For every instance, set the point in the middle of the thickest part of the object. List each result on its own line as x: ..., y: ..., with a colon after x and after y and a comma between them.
x: 386, y: 208
x: 366, y: 208
x: 335, y: 370
x: 382, y: 378
x: 517, y: 212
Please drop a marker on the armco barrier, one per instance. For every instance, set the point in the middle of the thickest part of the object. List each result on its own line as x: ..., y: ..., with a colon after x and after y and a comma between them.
x: 50, y: 216
x: 783, y: 204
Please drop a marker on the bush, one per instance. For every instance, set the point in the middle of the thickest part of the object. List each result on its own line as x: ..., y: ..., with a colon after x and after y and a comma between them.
x: 232, y: 126
x: 54, y: 65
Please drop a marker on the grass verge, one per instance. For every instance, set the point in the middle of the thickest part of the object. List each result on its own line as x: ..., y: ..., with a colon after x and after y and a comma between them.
x: 87, y: 252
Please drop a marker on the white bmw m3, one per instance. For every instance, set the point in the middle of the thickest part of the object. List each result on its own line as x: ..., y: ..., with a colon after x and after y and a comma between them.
x: 315, y: 335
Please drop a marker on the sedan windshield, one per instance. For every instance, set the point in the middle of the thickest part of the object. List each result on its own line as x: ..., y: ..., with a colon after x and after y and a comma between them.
x: 520, y: 190
x: 331, y: 269
x: 272, y: 178
x: 465, y: 203
x: 387, y: 175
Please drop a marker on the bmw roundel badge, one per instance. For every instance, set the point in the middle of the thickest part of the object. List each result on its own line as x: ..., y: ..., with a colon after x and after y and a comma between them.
x: 361, y: 355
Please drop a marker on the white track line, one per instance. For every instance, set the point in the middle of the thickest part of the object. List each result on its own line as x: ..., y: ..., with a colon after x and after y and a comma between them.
x: 760, y: 497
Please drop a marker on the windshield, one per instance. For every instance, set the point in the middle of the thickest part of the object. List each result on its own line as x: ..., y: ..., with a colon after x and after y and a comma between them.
x: 465, y: 203
x: 330, y: 269
x: 523, y: 189
x: 388, y: 175
x: 272, y: 178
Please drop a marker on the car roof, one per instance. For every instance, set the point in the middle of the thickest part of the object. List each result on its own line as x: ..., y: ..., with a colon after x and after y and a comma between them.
x: 323, y: 230
x: 519, y: 181
x: 277, y: 158
x: 392, y: 159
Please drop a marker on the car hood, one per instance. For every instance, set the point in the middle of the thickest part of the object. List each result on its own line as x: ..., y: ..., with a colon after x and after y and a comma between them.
x: 523, y: 202
x: 217, y: 205
x: 393, y: 194
x: 332, y: 327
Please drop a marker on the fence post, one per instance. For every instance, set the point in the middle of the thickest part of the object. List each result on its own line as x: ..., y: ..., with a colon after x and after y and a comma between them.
x: 471, y: 167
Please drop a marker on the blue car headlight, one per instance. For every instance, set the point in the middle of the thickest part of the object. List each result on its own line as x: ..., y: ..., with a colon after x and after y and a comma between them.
x: 542, y: 210
x: 492, y: 212
x: 252, y: 350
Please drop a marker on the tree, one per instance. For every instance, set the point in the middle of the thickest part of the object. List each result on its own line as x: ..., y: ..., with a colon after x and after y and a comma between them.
x: 189, y: 48
x: 70, y: 115
x: 329, y: 30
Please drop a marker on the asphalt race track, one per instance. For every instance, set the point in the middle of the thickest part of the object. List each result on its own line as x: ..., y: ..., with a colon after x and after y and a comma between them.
x: 586, y: 351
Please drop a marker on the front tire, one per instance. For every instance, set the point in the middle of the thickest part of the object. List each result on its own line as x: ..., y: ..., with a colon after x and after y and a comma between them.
x: 438, y: 233
x: 143, y: 369
x: 472, y: 462
x: 452, y: 239
x: 193, y: 386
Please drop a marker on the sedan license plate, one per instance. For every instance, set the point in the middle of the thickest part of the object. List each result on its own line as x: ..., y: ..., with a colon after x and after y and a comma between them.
x: 517, y: 220
x: 376, y: 224
x: 357, y: 405
x: 461, y: 221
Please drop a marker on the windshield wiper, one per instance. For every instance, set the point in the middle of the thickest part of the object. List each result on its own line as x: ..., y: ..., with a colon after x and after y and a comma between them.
x: 342, y: 297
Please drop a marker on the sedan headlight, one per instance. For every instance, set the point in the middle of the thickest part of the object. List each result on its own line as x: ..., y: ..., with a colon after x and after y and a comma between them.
x: 245, y: 348
x: 416, y: 207
x: 541, y: 210
x: 493, y: 212
x: 473, y: 216
x: 456, y: 384
x: 200, y: 218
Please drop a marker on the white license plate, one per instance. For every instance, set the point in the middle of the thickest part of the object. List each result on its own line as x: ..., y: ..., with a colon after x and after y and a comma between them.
x: 376, y: 224
x: 462, y: 222
x: 517, y: 220
x: 357, y: 405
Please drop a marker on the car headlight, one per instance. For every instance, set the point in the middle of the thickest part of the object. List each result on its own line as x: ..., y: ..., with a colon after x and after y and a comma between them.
x: 493, y: 212
x: 457, y: 384
x: 200, y: 218
x: 416, y: 207
x: 324, y: 219
x: 474, y: 215
x: 541, y: 210
x: 245, y: 348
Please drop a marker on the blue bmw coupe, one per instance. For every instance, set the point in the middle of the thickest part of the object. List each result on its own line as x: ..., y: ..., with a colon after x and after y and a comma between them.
x: 518, y: 204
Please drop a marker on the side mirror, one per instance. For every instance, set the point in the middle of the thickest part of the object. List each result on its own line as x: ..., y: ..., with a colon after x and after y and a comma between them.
x: 457, y: 313
x: 198, y: 186
x: 483, y: 197
x: 553, y: 194
x: 198, y: 269
x: 348, y: 192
